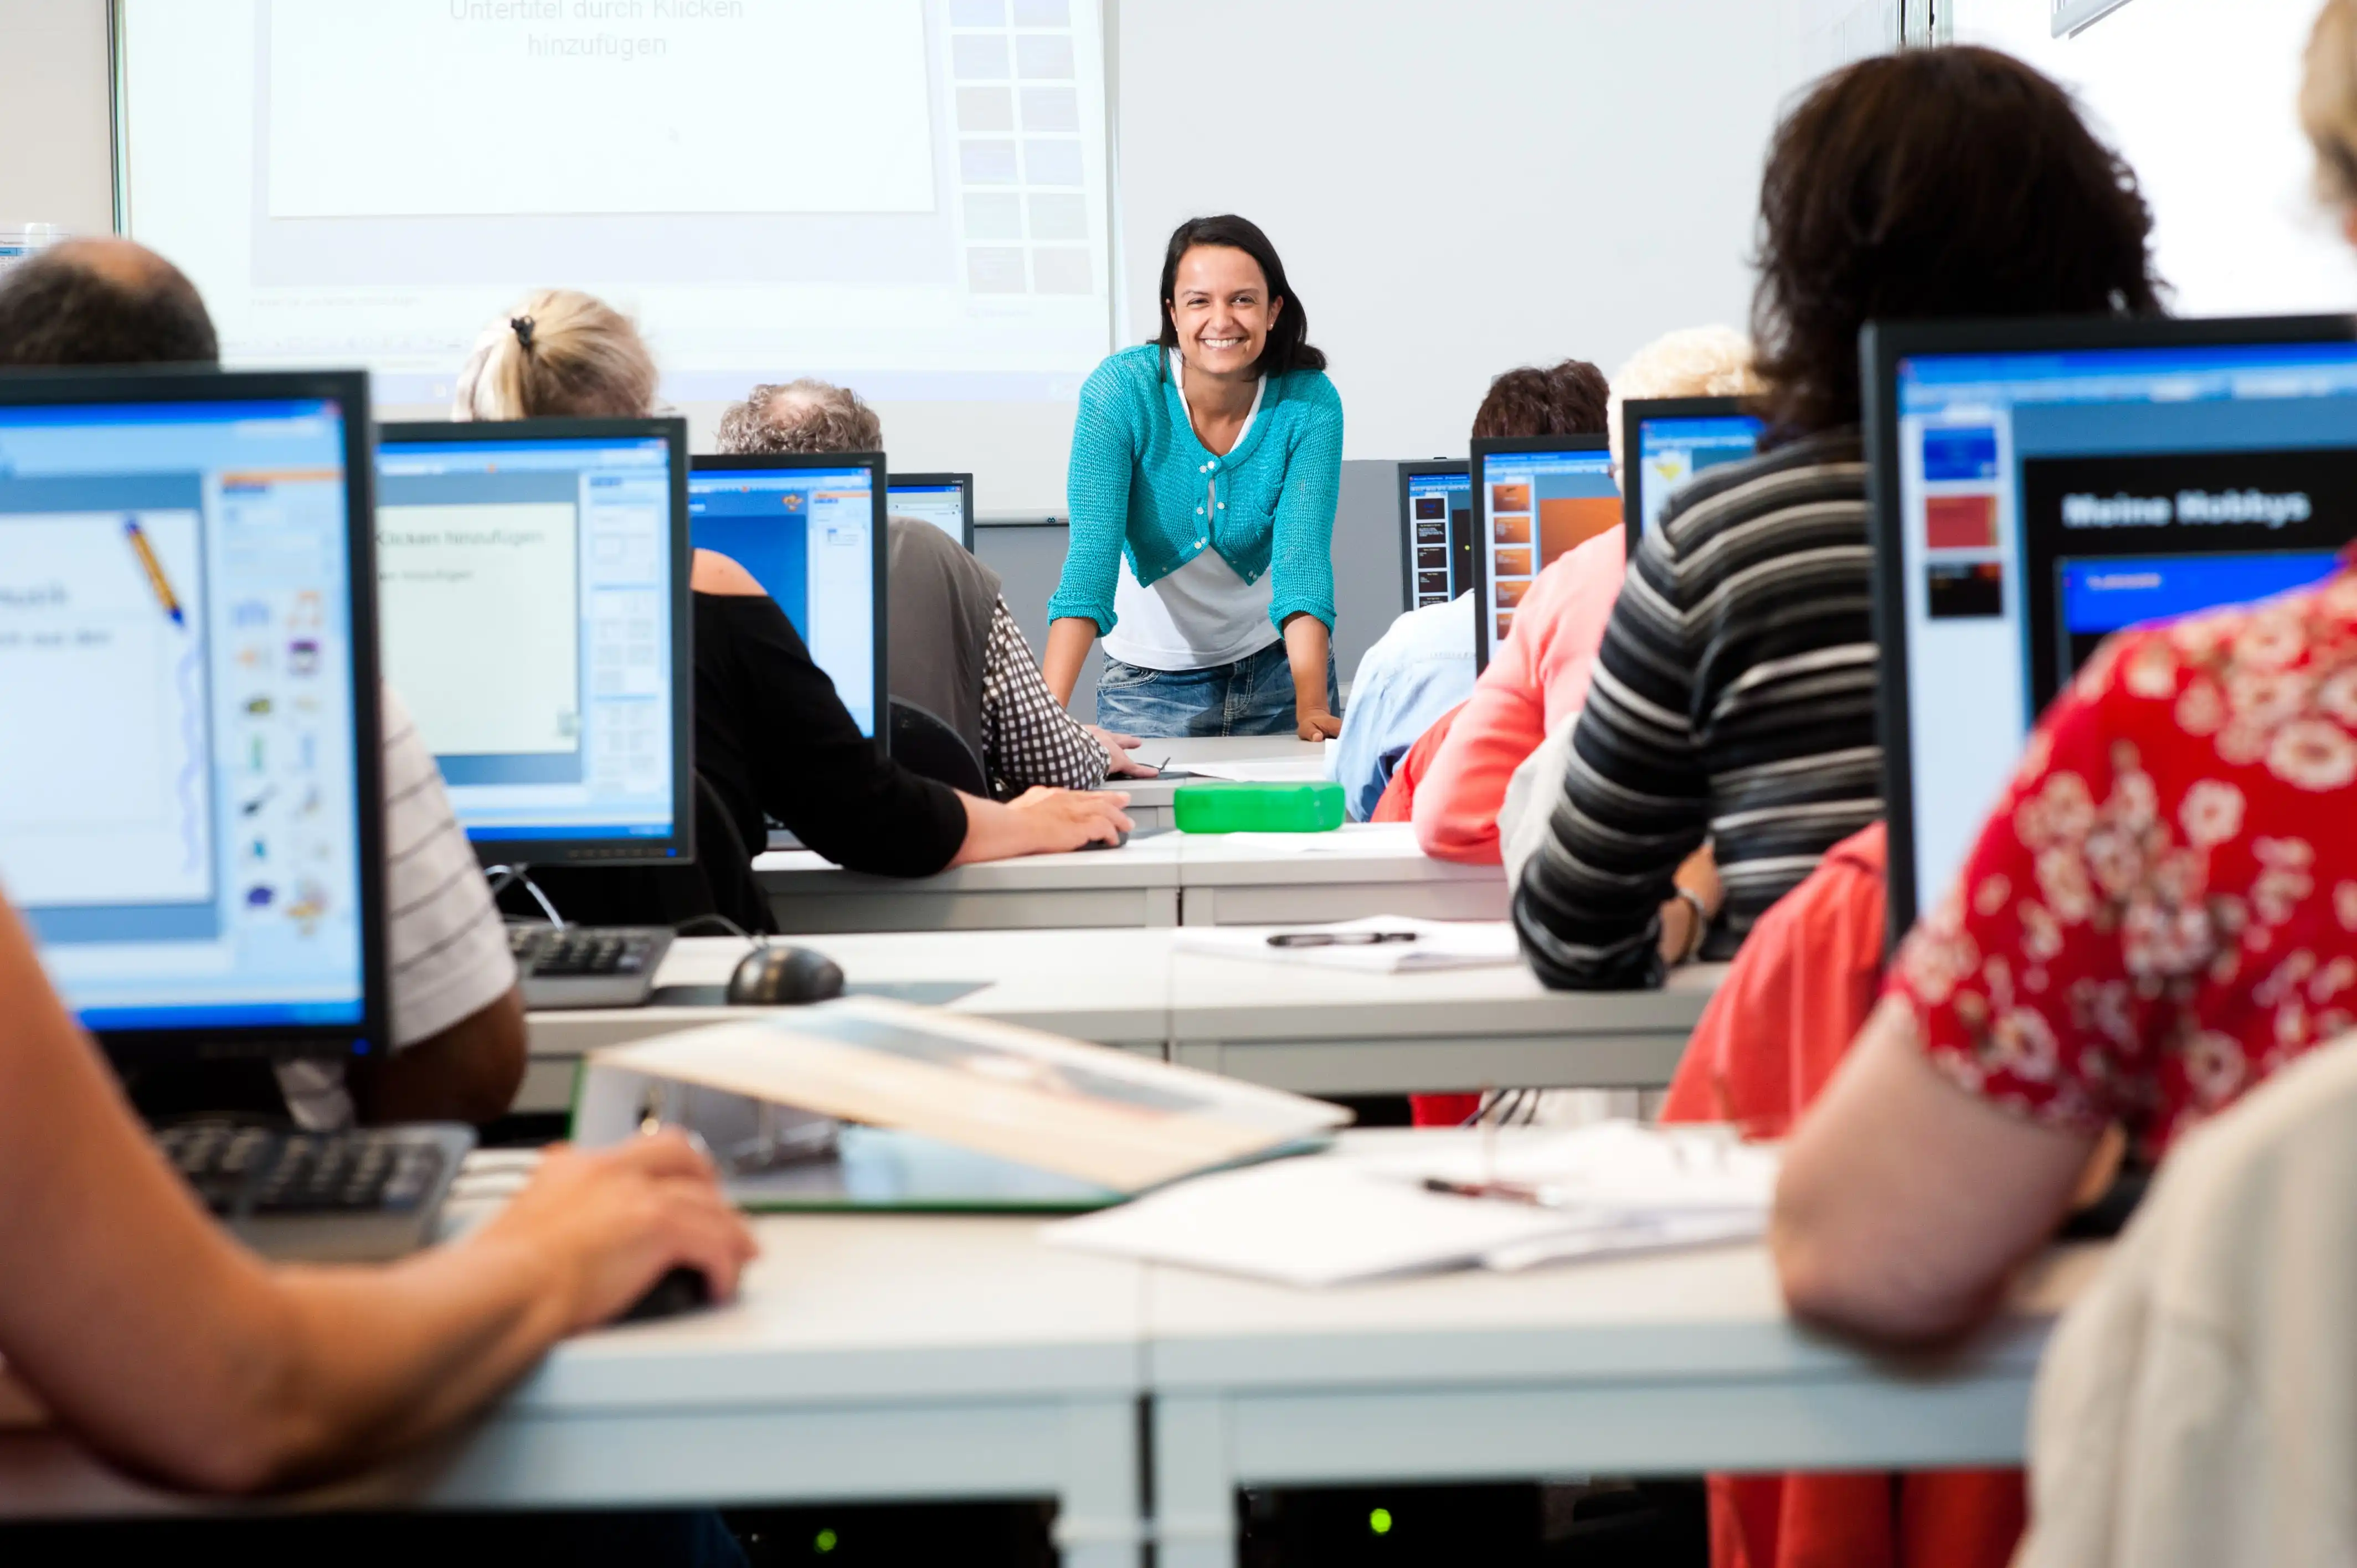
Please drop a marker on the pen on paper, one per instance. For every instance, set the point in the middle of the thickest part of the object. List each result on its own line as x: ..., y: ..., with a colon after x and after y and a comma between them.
x: 155, y: 570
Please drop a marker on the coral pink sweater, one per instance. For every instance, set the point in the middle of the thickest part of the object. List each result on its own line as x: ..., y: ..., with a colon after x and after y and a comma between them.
x: 1538, y: 680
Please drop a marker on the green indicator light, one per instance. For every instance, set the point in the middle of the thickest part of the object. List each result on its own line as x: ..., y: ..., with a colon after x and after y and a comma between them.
x: 1380, y: 1521
x: 826, y: 1542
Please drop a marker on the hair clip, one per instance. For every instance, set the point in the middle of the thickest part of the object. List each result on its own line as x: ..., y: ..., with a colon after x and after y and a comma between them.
x: 523, y: 326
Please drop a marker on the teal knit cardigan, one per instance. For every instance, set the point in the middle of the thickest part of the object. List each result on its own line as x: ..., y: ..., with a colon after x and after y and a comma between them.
x: 1142, y: 483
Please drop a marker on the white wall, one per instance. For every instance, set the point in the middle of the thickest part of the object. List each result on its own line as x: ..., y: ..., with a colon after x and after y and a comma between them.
x: 55, y: 156
x: 1459, y: 189
x: 2200, y: 95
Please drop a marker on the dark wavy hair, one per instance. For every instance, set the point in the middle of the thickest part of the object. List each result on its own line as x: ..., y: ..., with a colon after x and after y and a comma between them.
x: 1947, y: 182
x: 1288, y: 340
x: 1569, y: 399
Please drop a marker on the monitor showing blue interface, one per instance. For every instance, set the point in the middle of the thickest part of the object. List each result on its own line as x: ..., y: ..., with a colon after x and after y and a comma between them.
x: 1538, y: 498
x: 810, y: 530
x: 1436, y: 525
x: 2046, y: 500
x: 187, y: 743
x: 942, y: 500
x: 528, y: 589
x: 1672, y: 449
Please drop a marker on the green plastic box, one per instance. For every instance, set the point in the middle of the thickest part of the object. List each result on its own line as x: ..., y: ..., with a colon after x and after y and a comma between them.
x: 1225, y: 807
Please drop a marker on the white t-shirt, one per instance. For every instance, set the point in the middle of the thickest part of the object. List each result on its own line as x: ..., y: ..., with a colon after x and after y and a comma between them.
x: 446, y: 950
x: 1203, y: 613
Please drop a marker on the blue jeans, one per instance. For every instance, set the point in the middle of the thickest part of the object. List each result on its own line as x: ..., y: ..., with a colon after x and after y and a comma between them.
x: 1251, y: 696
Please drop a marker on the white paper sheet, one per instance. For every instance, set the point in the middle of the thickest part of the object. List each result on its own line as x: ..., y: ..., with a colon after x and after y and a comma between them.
x: 1439, y: 944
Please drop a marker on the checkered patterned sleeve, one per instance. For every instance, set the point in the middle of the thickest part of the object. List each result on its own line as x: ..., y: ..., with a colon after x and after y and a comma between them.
x: 1027, y: 738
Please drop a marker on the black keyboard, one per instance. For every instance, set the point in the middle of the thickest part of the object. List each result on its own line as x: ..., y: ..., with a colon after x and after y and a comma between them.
x: 588, y: 966
x: 356, y: 1195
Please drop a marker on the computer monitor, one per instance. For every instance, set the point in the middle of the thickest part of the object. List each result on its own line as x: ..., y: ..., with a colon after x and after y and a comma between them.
x: 810, y: 527
x: 1666, y: 441
x: 945, y: 500
x: 1537, y: 496
x: 1435, y: 532
x: 2037, y: 486
x: 191, y: 809
x: 532, y: 579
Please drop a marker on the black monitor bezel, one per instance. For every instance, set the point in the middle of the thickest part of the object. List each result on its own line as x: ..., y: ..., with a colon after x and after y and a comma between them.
x: 1408, y: 474
x: 1634, y: 412
x: 348, y: 390
x: 1476, y: 465
x: 1883, y: 346
x: 964, y: 483
x: 880, y: 489
x: 677, y: 847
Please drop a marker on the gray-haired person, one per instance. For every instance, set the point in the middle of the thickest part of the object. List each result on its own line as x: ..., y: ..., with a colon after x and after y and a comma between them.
x: 956, y: 649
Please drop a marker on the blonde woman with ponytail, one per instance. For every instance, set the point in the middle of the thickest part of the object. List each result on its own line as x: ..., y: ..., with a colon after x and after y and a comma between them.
x: 771, y: 736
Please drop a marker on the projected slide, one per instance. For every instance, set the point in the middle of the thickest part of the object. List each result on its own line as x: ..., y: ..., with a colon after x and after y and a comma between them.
x: 688, y: 107
x: 102, y: 620
x: 466, y: 589
x: 907, y: 196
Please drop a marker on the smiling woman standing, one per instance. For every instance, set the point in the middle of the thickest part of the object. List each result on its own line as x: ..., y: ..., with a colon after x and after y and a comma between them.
x: 1205, y: 468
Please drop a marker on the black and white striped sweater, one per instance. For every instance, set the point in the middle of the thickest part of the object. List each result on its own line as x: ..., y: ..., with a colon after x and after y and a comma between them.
x: 1734, y: 698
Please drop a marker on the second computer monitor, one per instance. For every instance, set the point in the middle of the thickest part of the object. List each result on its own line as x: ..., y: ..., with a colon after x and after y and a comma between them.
x: 1536, y: 497
x: 810, y: 527
x: 1435, y: 532
x: 2038, y: 486
x: 533, y: 585
x: 1666, y: 441
x: 945, y: 500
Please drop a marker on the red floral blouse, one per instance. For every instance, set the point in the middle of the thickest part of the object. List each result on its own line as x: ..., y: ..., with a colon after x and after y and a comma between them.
x: 2162, y: 910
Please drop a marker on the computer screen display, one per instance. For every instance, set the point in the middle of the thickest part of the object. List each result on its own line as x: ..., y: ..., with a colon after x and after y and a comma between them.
x: 1435, y: 532
x: 190, y: 817
x: 1669, y: 440
x: 1538, y: 497
x: 945, y: 500
x: 532, y: 583
x: 2036, y: 501
x: 811, y: 529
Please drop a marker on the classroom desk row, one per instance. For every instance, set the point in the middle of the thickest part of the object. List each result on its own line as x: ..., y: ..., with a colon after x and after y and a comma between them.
x: 1168, y: 879
x: 914, y: 1358
x: 1315, y: 1031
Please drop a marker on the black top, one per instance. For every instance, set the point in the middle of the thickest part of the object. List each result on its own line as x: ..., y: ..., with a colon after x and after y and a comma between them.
x: 772, y: 737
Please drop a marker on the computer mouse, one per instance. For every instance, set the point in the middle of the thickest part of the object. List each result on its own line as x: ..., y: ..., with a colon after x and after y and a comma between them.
x: 780, y: 976
x: 1100, y: 844
x: 682, y: 1289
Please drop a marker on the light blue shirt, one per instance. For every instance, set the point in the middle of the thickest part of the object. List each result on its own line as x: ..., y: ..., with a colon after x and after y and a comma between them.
x: 1417, y: 672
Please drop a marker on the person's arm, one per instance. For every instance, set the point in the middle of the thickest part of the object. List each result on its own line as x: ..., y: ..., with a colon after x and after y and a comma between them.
x: 468, y: 1072
x: 1027, y: 738
x: 1041, y: 821
x: 1457, y: 800
x: 1906, y: 1203
x: 1631, y: 806
x: 1301, y: 557
x: 162, y: 1344
x: 1096, y: 497
x: 458, y: 1015
x: 1306, y: 645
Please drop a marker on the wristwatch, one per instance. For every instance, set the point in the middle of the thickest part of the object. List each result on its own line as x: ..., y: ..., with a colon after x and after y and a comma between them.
x: 1701, y: 923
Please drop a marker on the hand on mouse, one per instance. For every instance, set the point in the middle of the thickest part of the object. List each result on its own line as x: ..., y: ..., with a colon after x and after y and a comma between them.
x: 607, y: 1224
x: 1119, y: 764
x: 1061, y: 819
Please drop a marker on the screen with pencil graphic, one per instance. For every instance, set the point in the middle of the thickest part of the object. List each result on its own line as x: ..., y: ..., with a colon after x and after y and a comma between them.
x: 179, y: 801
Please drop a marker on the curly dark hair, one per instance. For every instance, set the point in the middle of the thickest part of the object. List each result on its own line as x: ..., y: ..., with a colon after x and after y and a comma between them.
x: 1569, y: 399
x: 1948, y: 182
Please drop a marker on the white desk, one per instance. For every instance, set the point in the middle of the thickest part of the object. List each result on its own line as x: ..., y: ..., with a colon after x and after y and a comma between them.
x: 1667, y: 1365
x: 1149, y: 798
x: 1216, y: 879
x: 1313, y: 1031
x: 895, y: 1356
